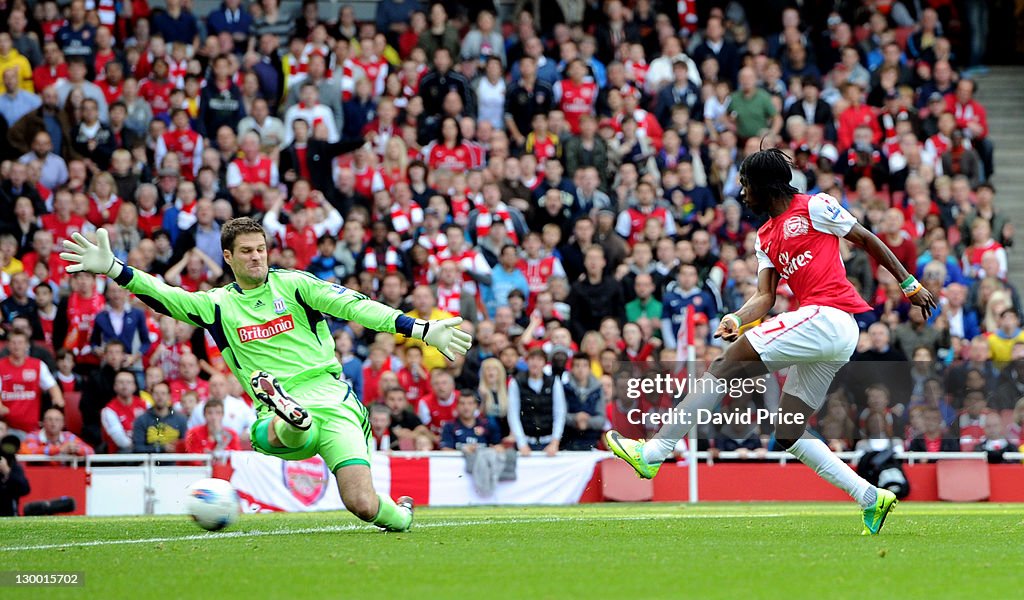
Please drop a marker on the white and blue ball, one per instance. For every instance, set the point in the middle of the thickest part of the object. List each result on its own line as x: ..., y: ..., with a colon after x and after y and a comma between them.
x: 213, y: 504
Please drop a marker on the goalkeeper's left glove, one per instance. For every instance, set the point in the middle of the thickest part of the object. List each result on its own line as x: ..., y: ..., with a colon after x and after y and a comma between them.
x: 444, y: 335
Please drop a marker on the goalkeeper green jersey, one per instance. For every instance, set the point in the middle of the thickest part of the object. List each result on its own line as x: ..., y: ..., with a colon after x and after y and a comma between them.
x: 278, y: 327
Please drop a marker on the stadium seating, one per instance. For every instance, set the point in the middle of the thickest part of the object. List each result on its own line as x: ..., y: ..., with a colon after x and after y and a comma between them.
x: 391, y: 236
x: 72, y: 412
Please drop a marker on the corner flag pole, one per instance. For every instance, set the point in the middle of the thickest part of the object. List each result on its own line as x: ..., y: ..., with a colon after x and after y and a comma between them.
x: 691, y: 438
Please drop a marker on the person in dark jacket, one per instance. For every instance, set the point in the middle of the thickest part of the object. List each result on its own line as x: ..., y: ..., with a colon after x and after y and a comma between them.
x: 159, y: 429
x: 586, y: 149
x: 98, y: 390
x: 812, y: 108
x: 716, y: 46
x: 13, y: 483
x: 880, y: 362
x: 525, y: 98
x: 575, y: 248
x: 584, y: 396
x: 536, y: 407
x: 220, y: 101
x: 231, y: 18
x: 467, y: 429
x: 436, y: 84
x: 20, y: 304
x: 933, y: 439
x: 595, y: 296
x: 16, y: 185
x: 614, y: 31
x: 359, y: 110
x: 681, y: 92
x: 310, y: 159
x: 130, y: 328
x: 46, y: 118
x: 91, y: 139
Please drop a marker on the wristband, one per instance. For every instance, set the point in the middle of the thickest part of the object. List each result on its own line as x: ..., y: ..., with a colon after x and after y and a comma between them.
x: 909, y: 283
x: 420, y: 329
x: 736, y: 319
x: 115, y: 265
x: 914, y: 291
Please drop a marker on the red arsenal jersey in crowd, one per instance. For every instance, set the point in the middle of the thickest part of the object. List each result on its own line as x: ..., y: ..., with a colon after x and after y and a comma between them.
x: 62, y: 230
x: 157, y: 94
x: 81, y: 313
x: 198, y: 440
x: 577, y: 100
x: 457, y: 159
x: 126, y: 415
x: 19, y: 392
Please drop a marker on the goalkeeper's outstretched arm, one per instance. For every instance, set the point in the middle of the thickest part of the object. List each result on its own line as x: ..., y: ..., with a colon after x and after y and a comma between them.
x: 199, y: 309
x: 195, y: 308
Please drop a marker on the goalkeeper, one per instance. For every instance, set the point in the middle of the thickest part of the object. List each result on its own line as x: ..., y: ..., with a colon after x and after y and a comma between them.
x: 272, y: 321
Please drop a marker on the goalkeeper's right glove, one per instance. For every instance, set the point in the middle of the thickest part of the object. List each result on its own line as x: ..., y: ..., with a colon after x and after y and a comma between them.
x: 444, y: 335
x: 87, y: 256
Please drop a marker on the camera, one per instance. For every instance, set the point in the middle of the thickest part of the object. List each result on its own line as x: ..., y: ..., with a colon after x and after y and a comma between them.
x: 9, y: 446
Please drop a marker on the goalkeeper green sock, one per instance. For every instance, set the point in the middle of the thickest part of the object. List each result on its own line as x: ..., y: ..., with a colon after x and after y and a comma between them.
x: 390, y: 516
x: 290, y: 436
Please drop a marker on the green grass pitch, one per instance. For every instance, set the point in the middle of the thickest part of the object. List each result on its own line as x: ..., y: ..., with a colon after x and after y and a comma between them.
x: 591, y: 551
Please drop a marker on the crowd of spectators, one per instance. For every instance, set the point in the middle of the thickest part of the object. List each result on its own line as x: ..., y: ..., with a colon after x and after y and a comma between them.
x: 565, y: 180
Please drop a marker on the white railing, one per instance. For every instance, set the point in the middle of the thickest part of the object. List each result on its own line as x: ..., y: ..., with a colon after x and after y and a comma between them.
x: 73, y: 460
x: 132, y: 484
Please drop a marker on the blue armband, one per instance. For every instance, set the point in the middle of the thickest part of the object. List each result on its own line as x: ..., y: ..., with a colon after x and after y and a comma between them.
x: 403, y: 324
x: 124, y: 276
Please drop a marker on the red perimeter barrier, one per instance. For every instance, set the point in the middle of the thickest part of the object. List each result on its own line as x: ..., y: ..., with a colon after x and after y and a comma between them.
x: 723, y: 482
x: 49, y: 482
x: 1006, y: 482
x: 746, y: 482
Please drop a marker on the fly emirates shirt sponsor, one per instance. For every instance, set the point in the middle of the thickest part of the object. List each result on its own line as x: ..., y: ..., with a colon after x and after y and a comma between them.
x: 802, y: 244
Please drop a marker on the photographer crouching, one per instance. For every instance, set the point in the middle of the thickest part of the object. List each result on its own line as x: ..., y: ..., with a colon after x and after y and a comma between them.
x: 13, y: 484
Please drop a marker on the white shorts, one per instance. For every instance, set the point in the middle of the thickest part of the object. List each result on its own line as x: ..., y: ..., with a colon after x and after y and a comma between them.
x: 814, y: 342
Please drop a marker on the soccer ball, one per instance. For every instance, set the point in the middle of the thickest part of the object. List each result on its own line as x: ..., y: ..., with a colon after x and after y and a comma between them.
x: 213, y: 504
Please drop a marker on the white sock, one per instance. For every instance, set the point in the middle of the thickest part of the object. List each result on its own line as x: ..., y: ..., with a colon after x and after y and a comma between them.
x: 815, y: 454
x: 706, y: 393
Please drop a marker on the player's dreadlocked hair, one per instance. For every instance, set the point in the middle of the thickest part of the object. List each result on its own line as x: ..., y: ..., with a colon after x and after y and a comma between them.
x: 235, y: 228
x: 767, y: 174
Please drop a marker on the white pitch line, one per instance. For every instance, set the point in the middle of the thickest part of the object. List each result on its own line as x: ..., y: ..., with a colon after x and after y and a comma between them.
x: 358, y: 527
x: 225, y: 535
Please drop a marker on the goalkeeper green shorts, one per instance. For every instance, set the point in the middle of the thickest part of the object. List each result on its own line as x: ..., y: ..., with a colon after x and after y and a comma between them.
x: 340, y: 433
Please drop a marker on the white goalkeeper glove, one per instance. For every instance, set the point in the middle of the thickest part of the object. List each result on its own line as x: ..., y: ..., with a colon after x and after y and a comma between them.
x: 444, y: 335
x: 87, y: 256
